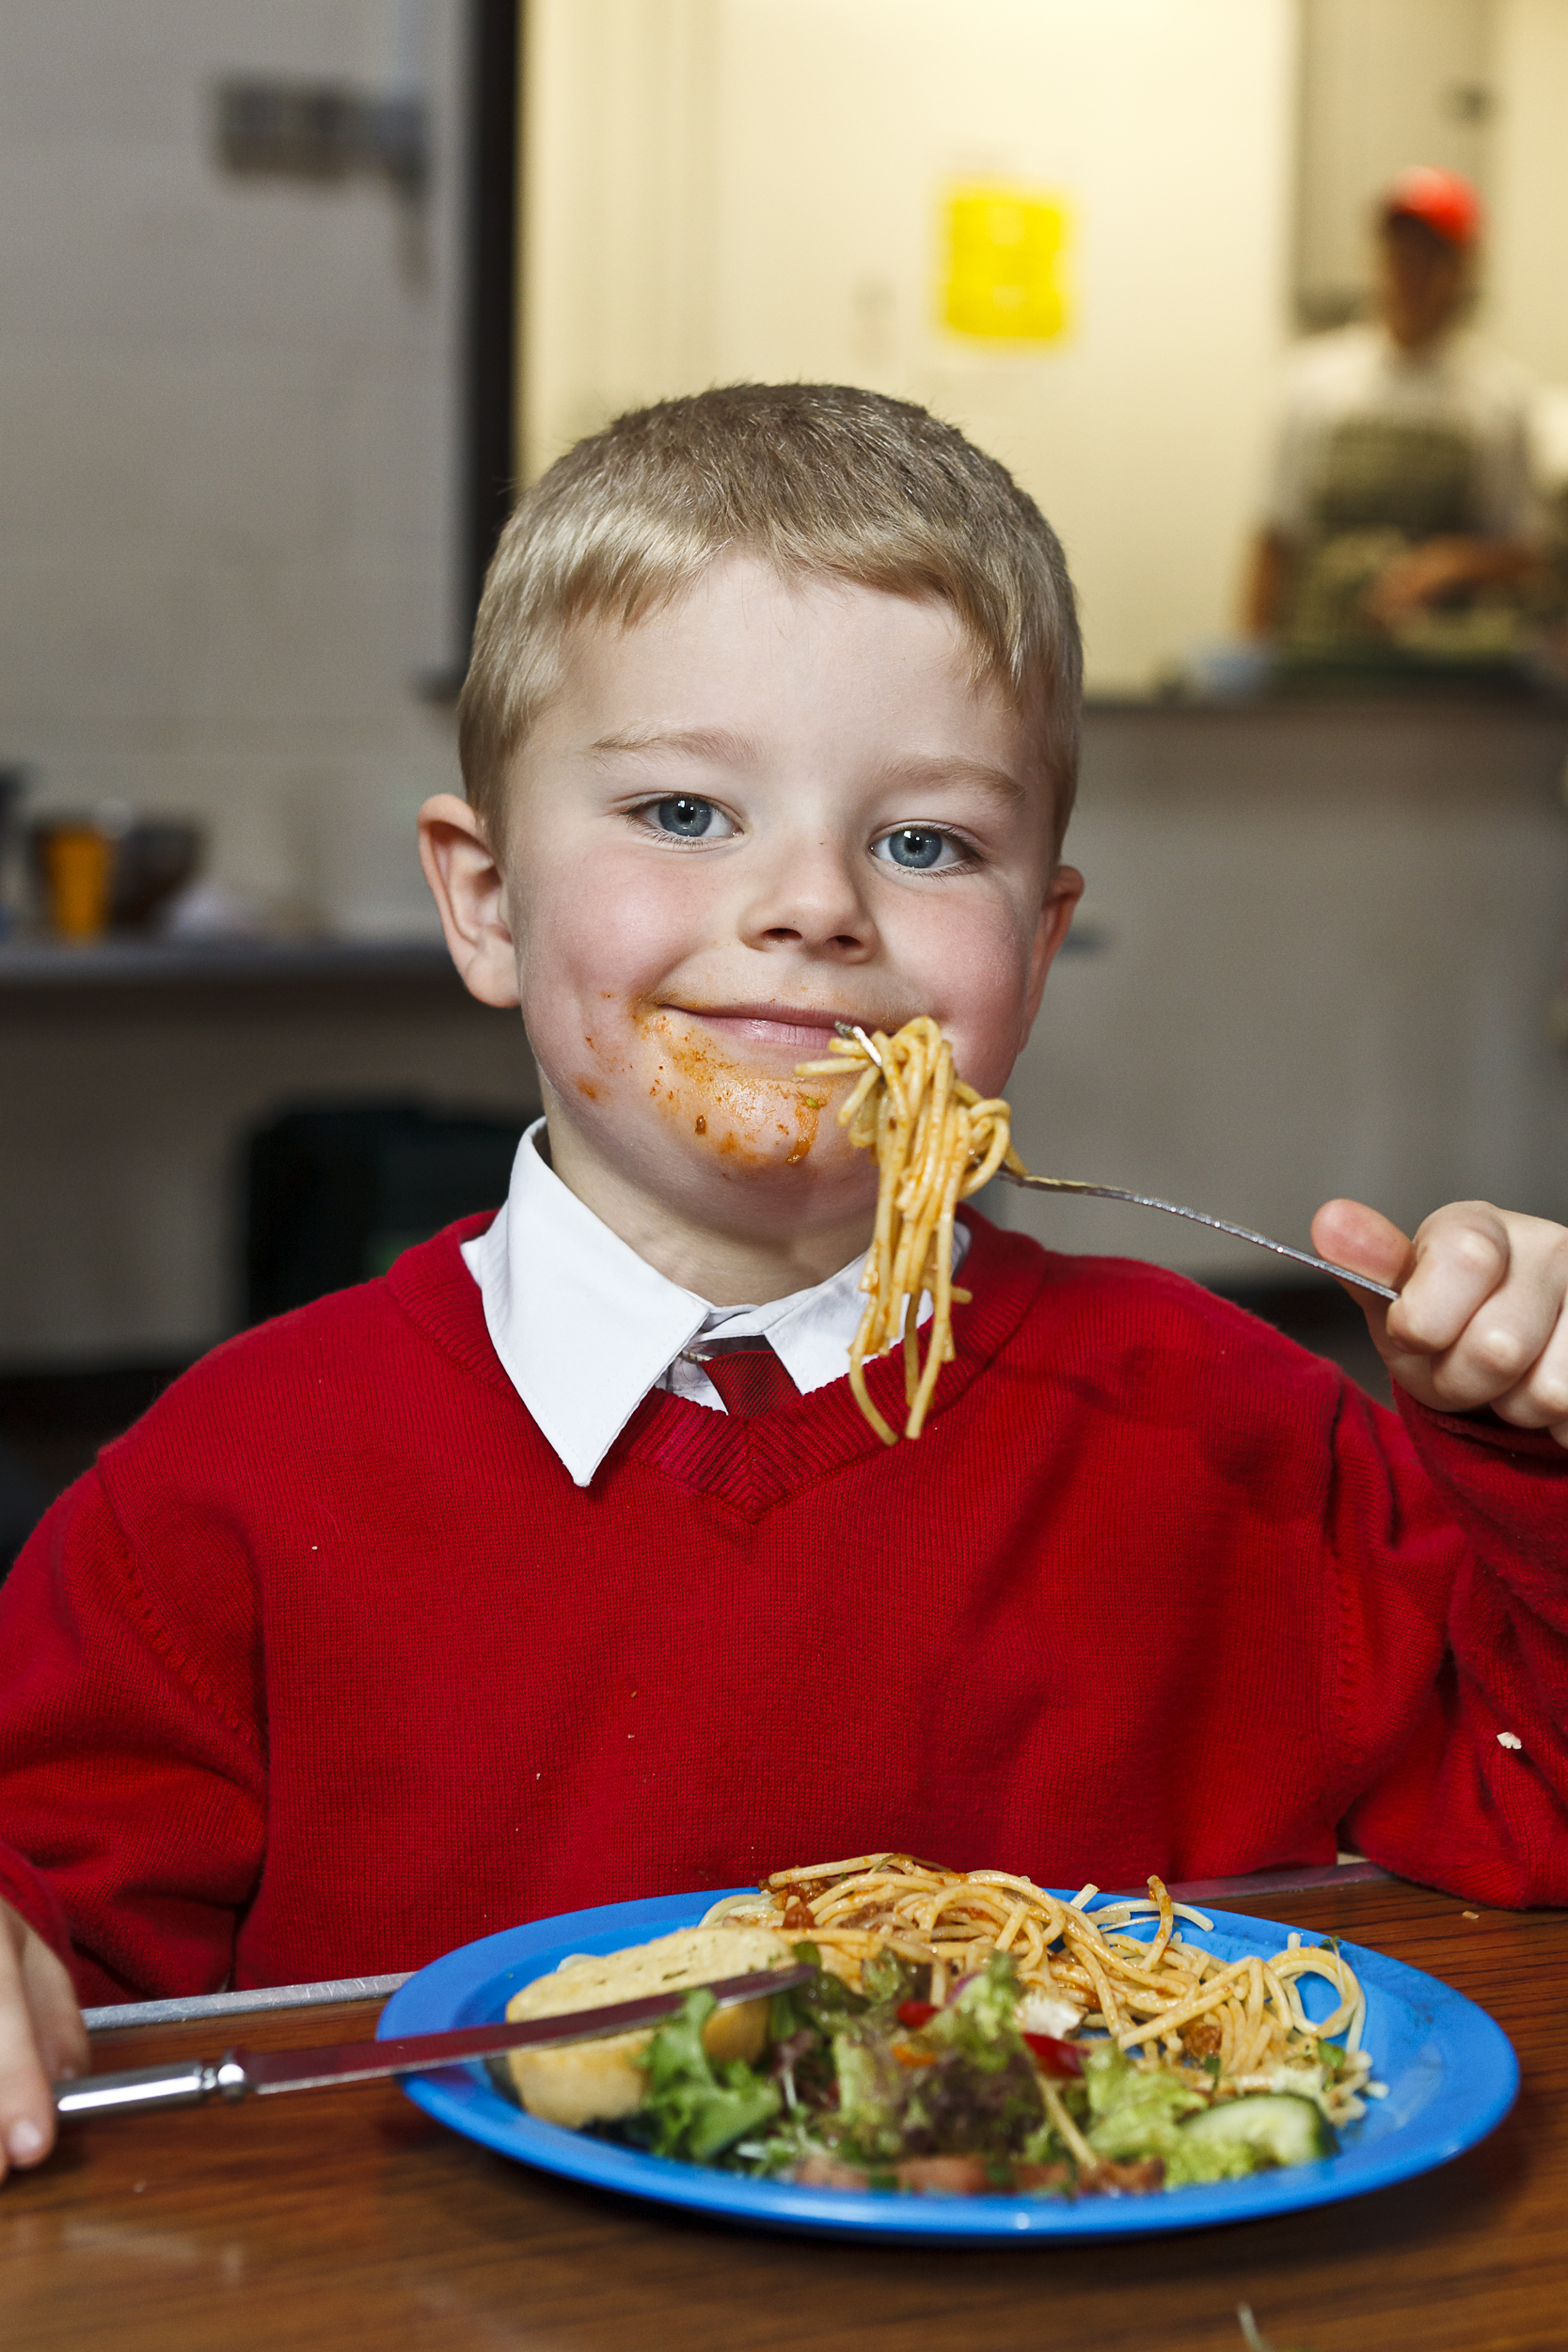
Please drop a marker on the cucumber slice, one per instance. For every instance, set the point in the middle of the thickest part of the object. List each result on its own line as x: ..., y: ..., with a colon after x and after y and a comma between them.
x: 1274, y: 2127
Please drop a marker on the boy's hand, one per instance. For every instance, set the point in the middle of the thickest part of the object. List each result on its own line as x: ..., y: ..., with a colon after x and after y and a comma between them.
x: 41, y: 2038
x: 1482, y: 1313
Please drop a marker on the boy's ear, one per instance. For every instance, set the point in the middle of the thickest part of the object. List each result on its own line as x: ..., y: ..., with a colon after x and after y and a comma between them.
x: 1056, y: 919
x: 471, y: 891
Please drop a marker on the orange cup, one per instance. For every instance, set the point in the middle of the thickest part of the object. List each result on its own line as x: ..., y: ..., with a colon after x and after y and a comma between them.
x: 78, y: 867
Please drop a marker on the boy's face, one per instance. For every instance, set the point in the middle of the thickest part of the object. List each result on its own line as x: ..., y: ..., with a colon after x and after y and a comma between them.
x: 763, y: 810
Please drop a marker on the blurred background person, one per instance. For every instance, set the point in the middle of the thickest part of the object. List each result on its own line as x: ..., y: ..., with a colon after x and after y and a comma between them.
x: 1402, y: 514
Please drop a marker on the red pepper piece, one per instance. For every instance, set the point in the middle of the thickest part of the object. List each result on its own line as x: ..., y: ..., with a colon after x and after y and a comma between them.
x: 916, y: 2013
x: 1053, y: 2057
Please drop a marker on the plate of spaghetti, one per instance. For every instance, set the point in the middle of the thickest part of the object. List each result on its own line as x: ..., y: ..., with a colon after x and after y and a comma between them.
x: 975, y: 2057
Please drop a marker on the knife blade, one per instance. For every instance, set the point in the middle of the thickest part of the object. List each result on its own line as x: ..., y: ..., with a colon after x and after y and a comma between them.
x: 239, y: 2074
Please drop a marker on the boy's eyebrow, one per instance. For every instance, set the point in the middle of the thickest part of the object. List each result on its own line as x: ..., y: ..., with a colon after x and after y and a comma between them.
x: 718, y: 743
x: 940, y: 767
x: 736, y: 751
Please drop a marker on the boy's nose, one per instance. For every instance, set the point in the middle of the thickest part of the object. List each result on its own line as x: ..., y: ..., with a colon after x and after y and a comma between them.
x: 809, y: 896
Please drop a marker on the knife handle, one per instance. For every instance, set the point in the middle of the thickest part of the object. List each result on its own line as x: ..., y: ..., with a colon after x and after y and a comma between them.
x: 184, y: 2086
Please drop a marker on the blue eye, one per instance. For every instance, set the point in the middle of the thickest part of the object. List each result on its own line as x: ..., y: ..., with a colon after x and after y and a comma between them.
x: 685, y: 817
x: 916, y: 847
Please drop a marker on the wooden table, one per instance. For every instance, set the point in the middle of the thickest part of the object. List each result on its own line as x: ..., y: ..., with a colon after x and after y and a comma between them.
x: 347, y: 2218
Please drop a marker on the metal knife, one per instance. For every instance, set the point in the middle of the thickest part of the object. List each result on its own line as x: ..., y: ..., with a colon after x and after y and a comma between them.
x: 190, y: 2082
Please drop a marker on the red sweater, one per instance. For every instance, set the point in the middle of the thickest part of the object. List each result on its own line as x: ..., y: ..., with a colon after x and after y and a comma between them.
x: 328, y: 1665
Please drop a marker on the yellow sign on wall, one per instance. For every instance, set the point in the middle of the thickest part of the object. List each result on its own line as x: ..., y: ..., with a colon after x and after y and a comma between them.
x: 1005, y: 276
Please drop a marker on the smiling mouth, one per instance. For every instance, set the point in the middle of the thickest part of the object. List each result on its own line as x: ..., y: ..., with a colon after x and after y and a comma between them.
x: 802, y: 1029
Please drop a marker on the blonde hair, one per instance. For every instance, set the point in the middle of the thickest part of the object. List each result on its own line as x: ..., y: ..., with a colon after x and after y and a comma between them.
x: 815, y: 478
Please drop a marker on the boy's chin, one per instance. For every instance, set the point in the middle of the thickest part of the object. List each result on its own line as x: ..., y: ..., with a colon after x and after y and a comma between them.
x: 761, y: 1162
x: 745, y: 1189
x: 761, y: 1192
x: 747, y: 1133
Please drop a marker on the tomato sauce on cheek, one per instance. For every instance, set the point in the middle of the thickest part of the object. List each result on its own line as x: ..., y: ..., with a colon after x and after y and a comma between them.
x: 748, y: 1118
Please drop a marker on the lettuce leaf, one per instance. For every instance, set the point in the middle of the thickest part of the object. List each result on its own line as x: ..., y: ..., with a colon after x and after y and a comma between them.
x: 692, y: 2108
x: 1135, y: 2115
x: 981, y: 2020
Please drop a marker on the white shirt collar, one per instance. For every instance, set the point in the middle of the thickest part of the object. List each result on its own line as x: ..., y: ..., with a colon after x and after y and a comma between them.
x: 584, y: 1328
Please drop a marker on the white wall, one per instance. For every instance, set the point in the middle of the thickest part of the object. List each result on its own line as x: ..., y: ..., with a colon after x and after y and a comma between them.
x: 728, y: 188
x: 225, y: 447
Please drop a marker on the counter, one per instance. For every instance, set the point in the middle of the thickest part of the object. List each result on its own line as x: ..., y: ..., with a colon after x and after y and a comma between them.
x: 43, y: 967
x: 131, y: 1073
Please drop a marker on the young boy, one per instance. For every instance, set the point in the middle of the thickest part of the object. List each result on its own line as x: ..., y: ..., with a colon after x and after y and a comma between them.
x: 505, y: 1585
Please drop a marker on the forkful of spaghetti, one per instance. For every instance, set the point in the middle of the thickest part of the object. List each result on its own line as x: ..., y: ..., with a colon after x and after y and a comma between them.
x: 935, y: 1141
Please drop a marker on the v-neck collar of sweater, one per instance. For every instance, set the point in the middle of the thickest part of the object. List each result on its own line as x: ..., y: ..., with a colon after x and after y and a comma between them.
x: 585, y: 1326
x: 746, y: 1465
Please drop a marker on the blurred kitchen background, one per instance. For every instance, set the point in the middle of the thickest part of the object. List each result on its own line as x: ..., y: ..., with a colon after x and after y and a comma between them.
x: 292, y: 291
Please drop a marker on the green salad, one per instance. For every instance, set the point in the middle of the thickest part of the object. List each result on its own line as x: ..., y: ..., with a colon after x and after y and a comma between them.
x: 881, y: 2089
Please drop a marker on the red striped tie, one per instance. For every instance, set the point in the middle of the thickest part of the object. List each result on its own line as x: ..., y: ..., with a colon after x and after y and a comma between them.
x: 749, y: 1378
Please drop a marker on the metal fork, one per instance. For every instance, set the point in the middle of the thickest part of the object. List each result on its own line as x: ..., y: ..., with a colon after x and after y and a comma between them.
x: 1171, y: 1208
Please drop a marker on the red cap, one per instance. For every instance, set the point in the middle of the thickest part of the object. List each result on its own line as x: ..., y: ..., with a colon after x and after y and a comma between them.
x: 1448, y: 204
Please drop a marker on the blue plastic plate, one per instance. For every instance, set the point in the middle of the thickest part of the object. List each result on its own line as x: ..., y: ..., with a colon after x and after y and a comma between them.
x: 1451, y: 2076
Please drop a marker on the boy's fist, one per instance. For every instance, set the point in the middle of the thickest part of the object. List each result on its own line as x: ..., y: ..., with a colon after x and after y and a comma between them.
x: 1481, y: 1317
x: 41, y: 2038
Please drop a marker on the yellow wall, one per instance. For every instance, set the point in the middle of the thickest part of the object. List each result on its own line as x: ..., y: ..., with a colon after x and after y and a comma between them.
x: 725, y: 188
x: 1526, y: 304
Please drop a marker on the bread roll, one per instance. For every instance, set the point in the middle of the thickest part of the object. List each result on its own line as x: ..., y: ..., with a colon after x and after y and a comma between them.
x: 594, y: 2082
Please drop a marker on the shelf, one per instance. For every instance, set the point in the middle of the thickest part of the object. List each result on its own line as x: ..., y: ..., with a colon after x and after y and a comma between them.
x: 38, y: 966
x: 1381, y: 705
